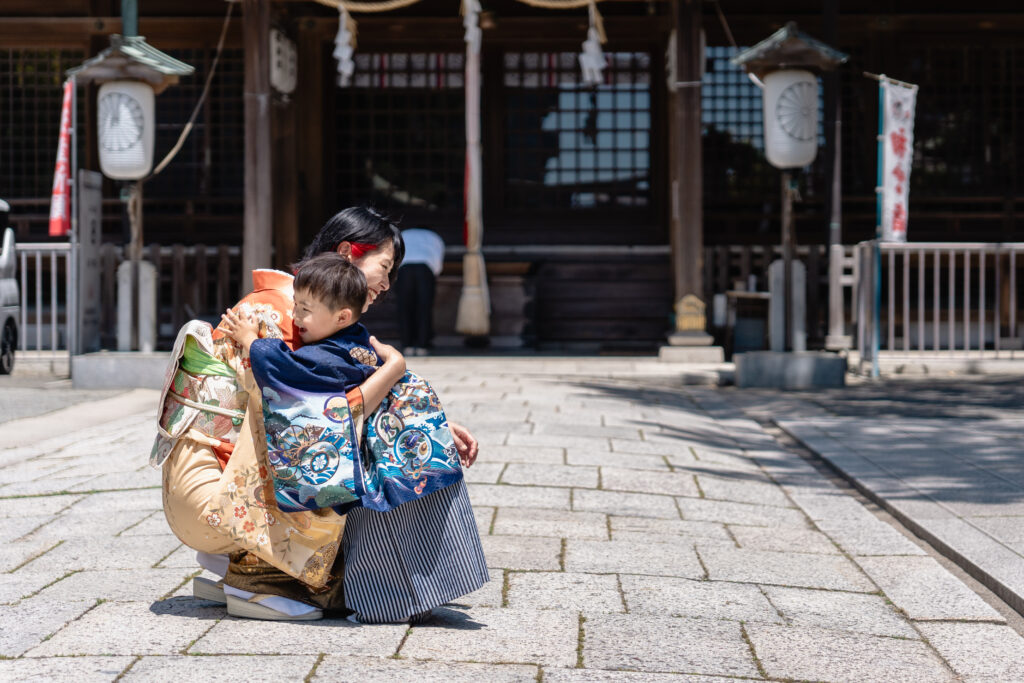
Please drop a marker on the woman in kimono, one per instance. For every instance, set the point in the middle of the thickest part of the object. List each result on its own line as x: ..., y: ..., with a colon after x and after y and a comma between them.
x: 397, y: 564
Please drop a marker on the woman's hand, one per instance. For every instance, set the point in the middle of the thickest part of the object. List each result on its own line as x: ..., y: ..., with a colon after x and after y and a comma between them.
x: 465, y: 444
x: 243, y: 330
x: 392, y: 357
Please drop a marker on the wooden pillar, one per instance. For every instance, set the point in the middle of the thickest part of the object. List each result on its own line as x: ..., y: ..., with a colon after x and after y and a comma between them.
x: 314, y: 133
x: 836, y: 337
x: 257, y: 238
x: 687, y: 223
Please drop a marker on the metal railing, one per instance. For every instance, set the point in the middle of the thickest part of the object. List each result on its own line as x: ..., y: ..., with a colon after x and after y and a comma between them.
x: 44, y: 271
x: 939, y: 297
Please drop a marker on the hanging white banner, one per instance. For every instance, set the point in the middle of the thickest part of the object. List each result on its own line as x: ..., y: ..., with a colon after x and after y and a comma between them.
x: 899, y: 101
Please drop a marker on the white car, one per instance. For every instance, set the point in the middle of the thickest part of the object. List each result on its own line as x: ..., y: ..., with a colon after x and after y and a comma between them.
x: 8, y: 296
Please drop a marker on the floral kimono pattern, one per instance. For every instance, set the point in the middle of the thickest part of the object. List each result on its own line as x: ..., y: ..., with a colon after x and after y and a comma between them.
x: 210, y: 398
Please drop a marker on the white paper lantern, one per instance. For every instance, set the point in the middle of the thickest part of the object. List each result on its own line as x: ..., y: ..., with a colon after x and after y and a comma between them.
x: 790, y: 117
x: 126, y: 121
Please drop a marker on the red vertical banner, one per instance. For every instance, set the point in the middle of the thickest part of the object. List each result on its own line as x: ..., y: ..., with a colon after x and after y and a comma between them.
x: 60, y: 201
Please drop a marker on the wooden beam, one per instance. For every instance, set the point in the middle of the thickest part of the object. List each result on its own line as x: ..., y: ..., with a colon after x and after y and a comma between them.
x: 314, y: 133
x: 163, y: 32
x: 259, y: 214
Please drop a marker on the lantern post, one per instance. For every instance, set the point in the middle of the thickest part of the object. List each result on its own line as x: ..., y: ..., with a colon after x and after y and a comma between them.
x: 786, y: 65
x: 130, y: 73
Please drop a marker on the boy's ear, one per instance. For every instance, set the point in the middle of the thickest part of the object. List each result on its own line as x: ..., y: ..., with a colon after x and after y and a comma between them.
x: 345, y: 316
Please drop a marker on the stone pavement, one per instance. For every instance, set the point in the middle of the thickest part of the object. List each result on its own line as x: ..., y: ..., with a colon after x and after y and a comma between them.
x: 637, y: 530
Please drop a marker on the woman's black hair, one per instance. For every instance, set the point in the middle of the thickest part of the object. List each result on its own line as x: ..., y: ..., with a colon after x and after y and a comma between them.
x: 362, y: 225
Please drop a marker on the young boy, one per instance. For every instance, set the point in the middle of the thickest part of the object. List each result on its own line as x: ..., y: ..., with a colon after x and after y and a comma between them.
x: 330, y: 294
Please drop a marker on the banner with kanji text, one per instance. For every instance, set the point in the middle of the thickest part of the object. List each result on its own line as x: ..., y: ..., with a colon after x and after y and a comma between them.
x: 897, y: 145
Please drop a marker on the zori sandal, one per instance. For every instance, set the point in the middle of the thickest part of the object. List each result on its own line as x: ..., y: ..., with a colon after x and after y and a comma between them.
x: 205, y: 589
x: 252, y: 609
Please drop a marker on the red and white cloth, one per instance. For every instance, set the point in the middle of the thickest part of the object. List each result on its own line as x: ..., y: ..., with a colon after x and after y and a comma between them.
x: 899, y: 101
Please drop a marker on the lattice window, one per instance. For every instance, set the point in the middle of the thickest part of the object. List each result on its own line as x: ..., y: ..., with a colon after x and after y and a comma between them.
x: 211, y: 163
x: 30, y: 99
x: 401, y: 135
x: 572, y: 146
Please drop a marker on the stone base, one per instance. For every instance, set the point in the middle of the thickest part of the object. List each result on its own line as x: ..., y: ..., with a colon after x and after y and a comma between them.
x: 838, y: 342
x: 691, y: 354
x: 119, y: 370
x: 690, y: 339
x: 790, y: 370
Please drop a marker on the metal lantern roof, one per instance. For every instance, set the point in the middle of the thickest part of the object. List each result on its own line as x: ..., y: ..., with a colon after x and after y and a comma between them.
x: 131, y: 57
x: 789, y: 48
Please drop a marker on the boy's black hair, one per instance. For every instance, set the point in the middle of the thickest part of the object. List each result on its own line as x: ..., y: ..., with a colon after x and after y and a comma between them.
x: 333, y: 280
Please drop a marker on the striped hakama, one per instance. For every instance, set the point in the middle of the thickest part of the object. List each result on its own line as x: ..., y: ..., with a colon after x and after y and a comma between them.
x: 418, y: 556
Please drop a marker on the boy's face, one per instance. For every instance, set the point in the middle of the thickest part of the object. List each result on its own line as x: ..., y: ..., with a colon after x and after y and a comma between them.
x: 315, y: 320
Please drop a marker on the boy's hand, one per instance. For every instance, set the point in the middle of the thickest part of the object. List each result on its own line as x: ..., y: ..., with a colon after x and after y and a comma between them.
x: 243, y: 330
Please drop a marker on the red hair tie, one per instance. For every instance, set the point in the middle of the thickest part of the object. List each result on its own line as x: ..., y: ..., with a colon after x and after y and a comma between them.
x: 358, y: 249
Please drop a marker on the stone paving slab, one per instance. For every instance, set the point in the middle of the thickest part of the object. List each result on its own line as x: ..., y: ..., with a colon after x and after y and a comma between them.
x: 675, y: 597
x: 832, y: 572
x: 523, y: 474
x: 667, y: 644
x: 641, y: 481
x: 222, y: 669
x: 502, y: 495
x: 740, y: 513
x: 581, y: 592
x: 132, y: 628
x: 823, y: 655
x: 555, y: 523
x: 84, y: 669
x: 567, y: 559
x: 523, y: 552
x: 372, y: 670
x: 548, y: 637
x: 621, y: 503
x: 924, y: 590
x: 635, y: 461
x: 235, y: 636
x: 783, y: 539
x: 839, y: 611
x: 978, y: 652
x: 629, y: 557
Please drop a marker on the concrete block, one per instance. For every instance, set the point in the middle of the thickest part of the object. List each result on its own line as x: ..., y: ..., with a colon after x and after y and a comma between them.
x: 782, y: 370
x: 675, y: 597
x: 839, y: 611
x: 504, y: 636
x: 119, y: 370
x: 628, y: 557
x: 691, y: 354
x: 786, y: 569
x: 823, y: 655
x: 634, y: 461
x: 587, y: 593
x: 124, y: 584
x: 737, y: 490
x: 862, y: 537
x: 652, y: 643
x: 542, y: 455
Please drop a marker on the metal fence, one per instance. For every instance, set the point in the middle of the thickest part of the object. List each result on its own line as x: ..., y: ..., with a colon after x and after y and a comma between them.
x: 939, y: 297
x: 44, y: 273
x: 195, y: 281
